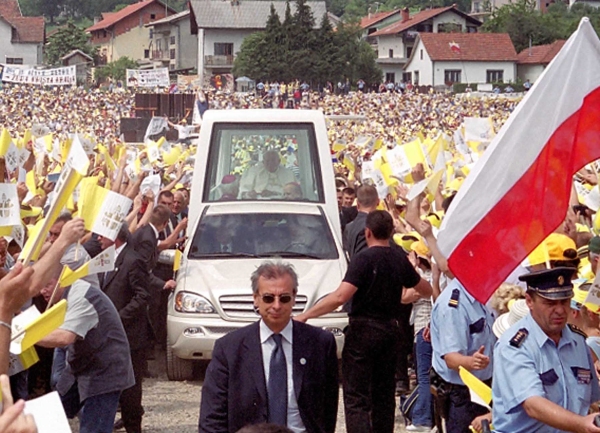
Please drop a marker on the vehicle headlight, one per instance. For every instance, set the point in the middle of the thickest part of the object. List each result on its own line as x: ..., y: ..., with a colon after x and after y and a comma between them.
x: 339, y: 309
x: 186, y: 302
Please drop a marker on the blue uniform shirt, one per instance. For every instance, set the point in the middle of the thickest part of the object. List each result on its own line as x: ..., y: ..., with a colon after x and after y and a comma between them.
x: 535, y: 366
x: 460, y: 325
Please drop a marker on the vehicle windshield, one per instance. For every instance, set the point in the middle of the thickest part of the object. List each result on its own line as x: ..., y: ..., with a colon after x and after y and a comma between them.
x: 263, y: 235
x: 263, y: 162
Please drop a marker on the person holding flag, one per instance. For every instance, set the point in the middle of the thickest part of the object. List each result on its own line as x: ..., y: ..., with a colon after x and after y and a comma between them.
x: 461, y: 335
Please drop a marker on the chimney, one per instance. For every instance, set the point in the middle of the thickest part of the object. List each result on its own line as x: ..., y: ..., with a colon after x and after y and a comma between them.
x: 405, y: 15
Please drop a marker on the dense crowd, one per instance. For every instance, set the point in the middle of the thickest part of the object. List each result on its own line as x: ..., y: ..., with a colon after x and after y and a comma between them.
x: 97, y: 358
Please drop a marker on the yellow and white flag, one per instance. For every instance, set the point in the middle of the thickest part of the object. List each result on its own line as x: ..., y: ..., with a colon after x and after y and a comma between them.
x: 10, y: 210
x: 31, y: 326
x: 177, y: 261
x: 103, y: 262
x: 481, y: 394
x: 104, y: 211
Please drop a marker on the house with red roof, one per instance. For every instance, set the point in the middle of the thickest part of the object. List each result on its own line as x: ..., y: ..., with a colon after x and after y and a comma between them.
x: 532, y: 61
x: 379, y: 20
x: 124, y: 33
x: 395, y: 42
x: 22, y: 37
x: 446, y: 58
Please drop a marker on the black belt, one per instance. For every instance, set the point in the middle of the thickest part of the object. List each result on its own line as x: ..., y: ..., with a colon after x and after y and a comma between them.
x: 391, y: 322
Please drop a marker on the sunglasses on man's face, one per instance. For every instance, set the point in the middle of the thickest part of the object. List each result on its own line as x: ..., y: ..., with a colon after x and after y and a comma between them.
x: 269, y: 299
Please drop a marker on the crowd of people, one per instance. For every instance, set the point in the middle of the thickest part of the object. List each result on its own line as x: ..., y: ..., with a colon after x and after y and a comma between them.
x: 287, y: 373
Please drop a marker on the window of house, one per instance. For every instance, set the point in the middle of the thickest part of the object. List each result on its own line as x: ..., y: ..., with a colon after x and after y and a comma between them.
x: 409, y: 51
x: 390, y: 77
x: 223, y: 49
x: 416, y: 78
x: 152, y: 16
x: 172, y: 54
x: 171, y: 66
x: 476, y: 7
x: 151, y: 33
x: 494, y: 76
x: 449, y: 28
x: 104, y: 34
x: 421, y: 54
x: 451, y: 76
x: 407, y: 77
x: 146, y: 54
x: 390, y: 53
x: 14, y: 60
x: 172, y: 40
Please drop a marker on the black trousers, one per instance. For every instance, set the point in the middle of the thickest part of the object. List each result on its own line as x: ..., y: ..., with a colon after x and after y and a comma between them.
x: 131, y: 398
x: 462, y: 411
x: 368, y: 366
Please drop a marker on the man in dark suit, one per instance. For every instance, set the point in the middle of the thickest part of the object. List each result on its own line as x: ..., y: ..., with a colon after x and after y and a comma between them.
x: 127, y: 288
x: 169, y: 239
x: 145, y: 241
x: 275, y: 370
x: 367, y: 200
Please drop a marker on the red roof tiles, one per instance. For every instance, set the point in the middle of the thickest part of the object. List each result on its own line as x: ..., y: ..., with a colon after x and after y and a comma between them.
x: 376, y: 17
x: 418, y: 18
x: 28, y: 29
x: 540, y: 54
x: 472, y: 47
x: 10, y: 9
x: 110, y: 18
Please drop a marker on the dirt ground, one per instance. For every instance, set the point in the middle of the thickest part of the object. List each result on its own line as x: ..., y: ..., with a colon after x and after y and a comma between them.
x: 173, y: 407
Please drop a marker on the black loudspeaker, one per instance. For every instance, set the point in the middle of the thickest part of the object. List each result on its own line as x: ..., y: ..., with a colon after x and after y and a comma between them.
x: 134, y: 129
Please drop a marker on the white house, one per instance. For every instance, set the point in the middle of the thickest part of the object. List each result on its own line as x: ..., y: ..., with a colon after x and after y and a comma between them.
x: 396, y: 42
x: 222, y: 26
x: 22, y: 37
x: 172, y: 43
x: 532, y: 61
x: 447, y: 58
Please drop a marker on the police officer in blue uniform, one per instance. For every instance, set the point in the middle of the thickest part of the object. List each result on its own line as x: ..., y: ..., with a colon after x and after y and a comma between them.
x: 461, y: 335
x: 544, y: 376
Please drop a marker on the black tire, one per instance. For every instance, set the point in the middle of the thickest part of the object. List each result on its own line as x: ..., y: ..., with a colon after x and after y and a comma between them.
x: 178, y: 369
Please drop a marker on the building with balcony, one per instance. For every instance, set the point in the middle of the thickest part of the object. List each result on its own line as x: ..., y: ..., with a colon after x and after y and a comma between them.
x: 123, y: 33
x: 442, y: 59
x: 221, y: 27
x: 395, y: 43
x: 172, y: 44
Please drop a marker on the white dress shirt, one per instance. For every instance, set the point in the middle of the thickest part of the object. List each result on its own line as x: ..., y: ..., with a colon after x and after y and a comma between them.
x: 294, y: 421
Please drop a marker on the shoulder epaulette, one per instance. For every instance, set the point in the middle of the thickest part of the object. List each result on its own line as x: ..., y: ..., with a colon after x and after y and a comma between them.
x: 453, y: 302
x: 577, y: 330
x: 519, y: 337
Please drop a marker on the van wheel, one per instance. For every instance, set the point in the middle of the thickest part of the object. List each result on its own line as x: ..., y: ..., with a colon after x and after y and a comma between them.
x: 177, y: 368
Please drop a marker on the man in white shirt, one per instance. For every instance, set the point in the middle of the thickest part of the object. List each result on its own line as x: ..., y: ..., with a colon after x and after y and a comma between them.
x: 266, y: 179
x: 275, y: 370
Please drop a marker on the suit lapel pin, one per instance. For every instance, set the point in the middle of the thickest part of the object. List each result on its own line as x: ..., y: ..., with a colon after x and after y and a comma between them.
x: 302, y: 361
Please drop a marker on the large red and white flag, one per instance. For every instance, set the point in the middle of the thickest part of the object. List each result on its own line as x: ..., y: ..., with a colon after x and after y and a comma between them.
x: 519, y: 190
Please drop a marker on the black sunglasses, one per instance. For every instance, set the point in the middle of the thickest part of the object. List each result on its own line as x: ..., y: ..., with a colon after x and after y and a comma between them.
x: 269, y: 299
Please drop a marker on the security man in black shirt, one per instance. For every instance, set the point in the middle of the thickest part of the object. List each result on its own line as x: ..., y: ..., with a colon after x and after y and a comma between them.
x: 374, y: 280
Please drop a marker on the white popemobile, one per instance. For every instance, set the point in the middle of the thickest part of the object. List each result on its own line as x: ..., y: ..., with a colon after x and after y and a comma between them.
x: 244, y: 209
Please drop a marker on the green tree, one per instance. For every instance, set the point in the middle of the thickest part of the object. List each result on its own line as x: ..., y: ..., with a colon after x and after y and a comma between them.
x: 48, y: 8
x: 67, y: 39
x: 253, y: 59
x: 295, y: 50
x: 276, y: 40
x: 116, y: 70
x: 523, y: 23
